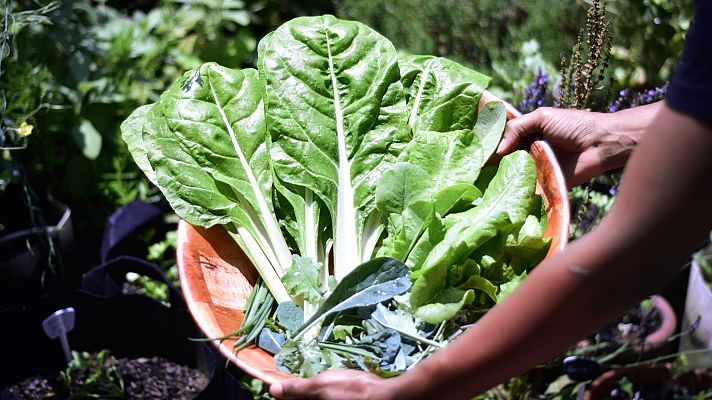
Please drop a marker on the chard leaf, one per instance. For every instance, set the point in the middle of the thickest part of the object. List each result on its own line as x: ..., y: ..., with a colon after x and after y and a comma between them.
x: 449, y: 158
x: 303, y: 279
x: 132, y: 133
x: 217, y: 115
x: 271, y: 341
x: 290, y: 316
x: 490, y: 127
x: 444, y: 305
x: 211, y: 161
x: 372, y: 282
x: 335, y: 111
x: 193, y: 194
x: 442, y: 95
x: 400, y: 186
x: 300, y: 212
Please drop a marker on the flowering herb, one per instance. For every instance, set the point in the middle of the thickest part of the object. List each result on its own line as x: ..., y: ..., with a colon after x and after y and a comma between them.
x: 585, y: 70
x: 629, y: 99
x: 535, y: 94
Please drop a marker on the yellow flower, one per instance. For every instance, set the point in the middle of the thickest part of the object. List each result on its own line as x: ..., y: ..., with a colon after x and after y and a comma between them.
x: 25, y: 129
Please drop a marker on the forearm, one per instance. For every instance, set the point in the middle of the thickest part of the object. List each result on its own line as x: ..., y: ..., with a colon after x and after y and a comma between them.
x: 558, y: 304
x: 661, y: 213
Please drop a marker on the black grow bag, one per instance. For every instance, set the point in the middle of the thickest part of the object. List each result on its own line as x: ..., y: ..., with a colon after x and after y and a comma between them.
x: 129, y: 326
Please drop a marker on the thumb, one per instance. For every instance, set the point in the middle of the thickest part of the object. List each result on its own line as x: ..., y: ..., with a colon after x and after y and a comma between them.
x: 516, y: 131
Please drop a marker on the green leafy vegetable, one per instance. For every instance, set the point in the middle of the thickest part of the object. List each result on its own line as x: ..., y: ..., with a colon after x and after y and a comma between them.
x: 442, y: 95
x: 489, y: 126
x: 271, y: 341
x: 303, y: 279
x: 335, y: 108
x: 335, y: 150
x: 401, y: 322
x: 372, y: 282
x: 290, y: 316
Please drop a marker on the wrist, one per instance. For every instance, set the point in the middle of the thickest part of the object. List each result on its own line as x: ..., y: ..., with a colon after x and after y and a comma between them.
x: 633, y: 122
x: 619, y: 134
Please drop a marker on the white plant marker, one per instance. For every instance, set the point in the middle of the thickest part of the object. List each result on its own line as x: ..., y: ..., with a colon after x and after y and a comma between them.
x: 57, y: 325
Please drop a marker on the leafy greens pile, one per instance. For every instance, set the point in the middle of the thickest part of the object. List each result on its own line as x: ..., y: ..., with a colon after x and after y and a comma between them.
x: 353, y: 179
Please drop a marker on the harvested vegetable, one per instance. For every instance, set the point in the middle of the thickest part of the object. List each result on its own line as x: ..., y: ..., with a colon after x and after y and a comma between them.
x: 337, y: 149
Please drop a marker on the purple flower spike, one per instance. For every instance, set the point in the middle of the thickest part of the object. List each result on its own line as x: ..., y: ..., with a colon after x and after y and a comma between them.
x: 535, y: 93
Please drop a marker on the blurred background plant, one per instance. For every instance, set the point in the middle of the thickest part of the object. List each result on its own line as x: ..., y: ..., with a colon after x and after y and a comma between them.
x: 73, y: 70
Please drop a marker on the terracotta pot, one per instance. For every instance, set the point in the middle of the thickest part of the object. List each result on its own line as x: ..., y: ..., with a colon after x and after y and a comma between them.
x: 698, y: 304
x: 216, y: 276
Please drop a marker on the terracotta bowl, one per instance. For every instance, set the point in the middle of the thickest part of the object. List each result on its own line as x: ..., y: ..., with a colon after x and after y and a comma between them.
x: 216, y: 277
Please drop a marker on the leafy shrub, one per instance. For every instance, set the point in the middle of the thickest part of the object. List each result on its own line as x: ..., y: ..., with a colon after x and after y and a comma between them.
x: 74, y: 69
x: 485, y: 34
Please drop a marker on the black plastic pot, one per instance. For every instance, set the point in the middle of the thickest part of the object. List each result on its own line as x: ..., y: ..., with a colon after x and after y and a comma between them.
x: 32, y: 253
x: 129, y: 326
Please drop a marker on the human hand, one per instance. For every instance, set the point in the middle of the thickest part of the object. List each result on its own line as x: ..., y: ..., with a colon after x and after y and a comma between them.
x: 339, y: 384
x: 586, y: 143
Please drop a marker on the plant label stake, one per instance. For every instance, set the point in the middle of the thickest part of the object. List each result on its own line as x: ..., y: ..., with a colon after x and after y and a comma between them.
x: 57, y: 325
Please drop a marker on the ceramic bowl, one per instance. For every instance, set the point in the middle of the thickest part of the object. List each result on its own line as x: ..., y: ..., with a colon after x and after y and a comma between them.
x: 216, y: 276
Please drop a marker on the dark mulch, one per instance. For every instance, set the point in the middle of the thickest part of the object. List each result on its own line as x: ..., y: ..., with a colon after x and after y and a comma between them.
x: 144, y: 378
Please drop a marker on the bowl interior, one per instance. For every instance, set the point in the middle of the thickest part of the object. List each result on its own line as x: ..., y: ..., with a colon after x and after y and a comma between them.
x: 216, y: 276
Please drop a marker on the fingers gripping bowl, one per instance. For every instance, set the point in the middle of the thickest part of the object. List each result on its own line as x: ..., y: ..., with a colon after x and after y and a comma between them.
x: 217, y: 277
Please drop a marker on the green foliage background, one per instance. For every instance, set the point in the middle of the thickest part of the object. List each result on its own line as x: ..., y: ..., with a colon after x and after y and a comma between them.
x: 74, y: 69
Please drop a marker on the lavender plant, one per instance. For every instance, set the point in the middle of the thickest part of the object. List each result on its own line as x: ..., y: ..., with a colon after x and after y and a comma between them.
x: 536, y: 94
x: 629, y: 99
